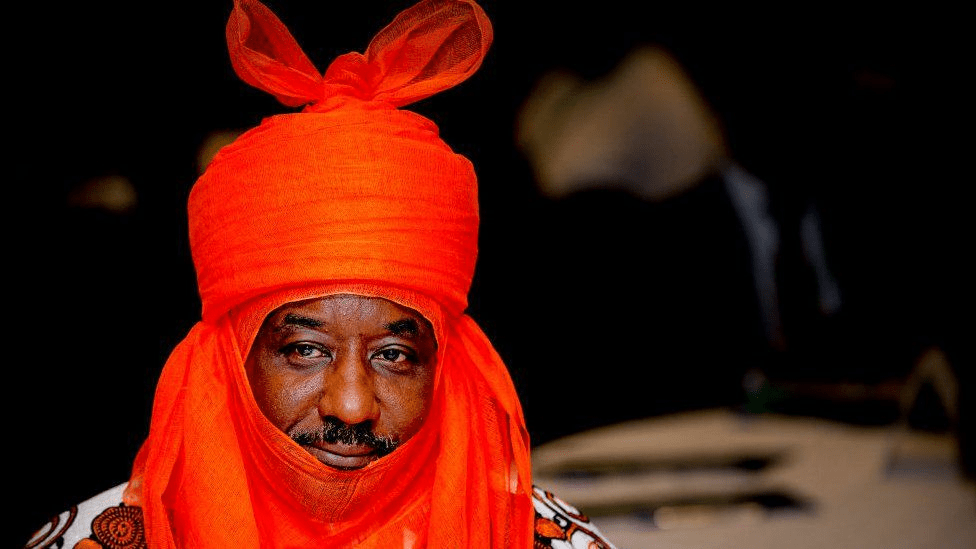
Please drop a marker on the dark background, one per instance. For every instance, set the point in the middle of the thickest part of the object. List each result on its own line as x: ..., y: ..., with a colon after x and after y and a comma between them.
x: 605, y: 307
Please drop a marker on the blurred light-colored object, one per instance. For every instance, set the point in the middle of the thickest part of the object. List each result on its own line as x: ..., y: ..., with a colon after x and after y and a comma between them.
x: 811, y: 238
x: 644, y: 128
x: 750, y: 200
x: 214, y: 141
x: 932, y: 367
x: 113, y: 193
x: 715, y: 479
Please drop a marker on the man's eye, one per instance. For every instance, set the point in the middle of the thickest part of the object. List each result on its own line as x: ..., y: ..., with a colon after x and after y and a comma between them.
x: 394, y: 355
x: 304, y: 351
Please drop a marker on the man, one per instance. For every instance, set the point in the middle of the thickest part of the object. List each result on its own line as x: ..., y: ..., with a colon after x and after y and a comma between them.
x: 334, y: 393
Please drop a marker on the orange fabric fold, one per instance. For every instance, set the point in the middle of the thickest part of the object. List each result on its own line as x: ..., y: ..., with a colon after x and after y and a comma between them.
x: 428, y: 48
x: 350, y: 195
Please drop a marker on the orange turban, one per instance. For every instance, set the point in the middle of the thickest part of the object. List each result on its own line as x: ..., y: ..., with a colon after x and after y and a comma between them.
x: 350, y: 195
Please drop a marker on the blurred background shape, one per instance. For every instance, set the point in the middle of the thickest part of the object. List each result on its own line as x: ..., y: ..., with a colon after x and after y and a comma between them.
x: 726, y: 480
x: 114, y: 193
x: 643, y: 128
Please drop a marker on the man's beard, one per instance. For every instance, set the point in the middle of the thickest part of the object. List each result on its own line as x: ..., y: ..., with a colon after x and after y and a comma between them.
x: 361, y: 434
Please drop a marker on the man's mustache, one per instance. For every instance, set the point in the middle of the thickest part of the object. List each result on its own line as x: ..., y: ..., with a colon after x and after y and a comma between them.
x: 361, y: 434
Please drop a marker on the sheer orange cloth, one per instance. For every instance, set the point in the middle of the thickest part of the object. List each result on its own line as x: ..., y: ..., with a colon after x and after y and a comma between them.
x: 350, y: 195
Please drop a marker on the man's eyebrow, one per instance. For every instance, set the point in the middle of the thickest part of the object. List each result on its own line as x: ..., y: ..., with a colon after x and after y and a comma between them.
x: 404, y: 327
x: 291, y: 319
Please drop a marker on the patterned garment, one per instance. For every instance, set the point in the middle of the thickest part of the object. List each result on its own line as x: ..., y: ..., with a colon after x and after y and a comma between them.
x: 104, y: 522
x: 561, y: 526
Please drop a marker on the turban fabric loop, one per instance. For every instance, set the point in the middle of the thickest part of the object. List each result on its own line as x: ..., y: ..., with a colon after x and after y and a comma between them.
x: 350, y: 195
x: 427, y: 49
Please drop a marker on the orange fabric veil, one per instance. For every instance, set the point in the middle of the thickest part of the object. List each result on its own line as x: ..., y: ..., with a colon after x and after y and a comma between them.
x: 350, y: 195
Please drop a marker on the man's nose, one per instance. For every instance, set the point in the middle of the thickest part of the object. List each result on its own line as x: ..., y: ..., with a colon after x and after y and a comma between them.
x: 348, y: 393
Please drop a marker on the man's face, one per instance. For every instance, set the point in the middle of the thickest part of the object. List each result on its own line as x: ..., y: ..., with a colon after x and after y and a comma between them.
x: 347, y: 377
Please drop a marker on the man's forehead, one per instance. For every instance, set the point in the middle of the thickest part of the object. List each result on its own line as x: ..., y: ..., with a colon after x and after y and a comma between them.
x: 333, y: 309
